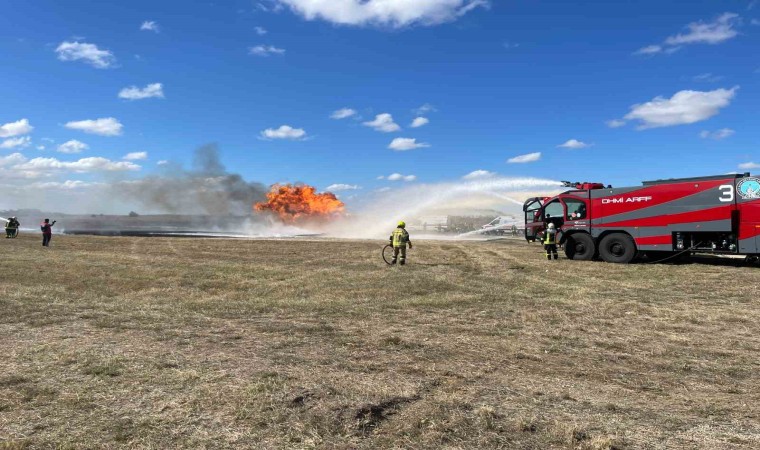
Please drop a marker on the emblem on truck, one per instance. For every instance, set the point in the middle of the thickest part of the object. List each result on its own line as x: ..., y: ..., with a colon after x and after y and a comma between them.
x: 748, y: 187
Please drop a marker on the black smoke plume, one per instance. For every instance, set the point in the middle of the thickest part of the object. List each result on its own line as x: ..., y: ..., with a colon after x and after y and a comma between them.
x: 206, y: 189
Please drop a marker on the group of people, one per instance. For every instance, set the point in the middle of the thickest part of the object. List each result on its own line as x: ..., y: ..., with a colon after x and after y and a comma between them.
x: 12, y: 225
x: 399, y: 239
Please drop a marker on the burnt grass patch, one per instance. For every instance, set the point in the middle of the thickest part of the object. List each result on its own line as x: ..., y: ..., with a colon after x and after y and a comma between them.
x: 369, y: 416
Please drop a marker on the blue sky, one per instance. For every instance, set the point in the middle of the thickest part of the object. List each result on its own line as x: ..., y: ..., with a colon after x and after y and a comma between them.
x: 496, y: 80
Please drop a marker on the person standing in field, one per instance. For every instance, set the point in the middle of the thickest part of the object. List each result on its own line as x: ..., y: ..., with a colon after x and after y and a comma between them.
x: 550, y: 242
x: 399, y: 239
x: 11, y: 227
x: 47, y: 232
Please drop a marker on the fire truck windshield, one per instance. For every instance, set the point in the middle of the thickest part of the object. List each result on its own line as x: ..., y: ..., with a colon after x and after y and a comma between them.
x: 554, y: 209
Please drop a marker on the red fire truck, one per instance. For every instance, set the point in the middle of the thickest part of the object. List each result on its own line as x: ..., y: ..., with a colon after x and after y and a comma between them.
x: 716, y: 214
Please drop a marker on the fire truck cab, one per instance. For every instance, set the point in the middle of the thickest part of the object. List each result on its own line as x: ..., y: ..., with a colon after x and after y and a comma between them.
x: 716, y: 214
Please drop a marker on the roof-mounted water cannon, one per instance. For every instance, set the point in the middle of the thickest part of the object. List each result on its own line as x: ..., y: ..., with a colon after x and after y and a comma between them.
x: 584, y: 186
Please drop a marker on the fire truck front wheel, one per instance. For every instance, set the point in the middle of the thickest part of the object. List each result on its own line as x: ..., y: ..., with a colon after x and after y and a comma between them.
x: 580, y: 247
x: 617, y: 248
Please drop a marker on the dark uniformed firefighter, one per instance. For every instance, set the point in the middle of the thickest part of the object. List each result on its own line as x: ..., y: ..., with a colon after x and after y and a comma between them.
x: 47, y: 232
x: 11, y: 227
x: 399, y: 239
x: 550, y: 241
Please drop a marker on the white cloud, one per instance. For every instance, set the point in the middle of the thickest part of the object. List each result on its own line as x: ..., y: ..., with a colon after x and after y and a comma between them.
x: 615, y: 123
x: 16, y: 128
x: 265, y: 50
x: 682, y: 108
x: 342, y: 187
x: 403, y: 144
x: 105, y: 127
x: 40, y: 147
x: 92, y: 164
x: 269, y: 6
x: 419, y: 122
x: 12, y: 160
x: 150, y: 25
x: 717, y: 135
x: 399, y: 177
x: 749, y: 165
x: 163, y: 162
x: 21, y: 141
x: 68, y: 184
x: 511, y: 45
x: 649, y: 50
x: 707, y: 78
x: 284, y: 132
x: 136, y: 156
x: 383, y: 122
x: 720, y: 30
x: 394, y: 13
x: 424, y: 109
x: 479, y: 174
x: 527, y: 158
x: 149, y: 91
x: 343, y: 113
x: 261, y: 31
x: 72, y: 146
x: 87, y: 53
x: 574, y: 144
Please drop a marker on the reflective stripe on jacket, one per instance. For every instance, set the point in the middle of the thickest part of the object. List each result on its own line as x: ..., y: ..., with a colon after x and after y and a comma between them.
x: 399, y: 238
x: 550, y: 237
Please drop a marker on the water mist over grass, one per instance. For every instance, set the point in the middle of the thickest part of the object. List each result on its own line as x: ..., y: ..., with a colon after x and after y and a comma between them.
x: 380, y: 212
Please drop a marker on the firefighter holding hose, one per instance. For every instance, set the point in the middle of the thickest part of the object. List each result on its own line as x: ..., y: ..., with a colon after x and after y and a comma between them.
x: 399, y: 239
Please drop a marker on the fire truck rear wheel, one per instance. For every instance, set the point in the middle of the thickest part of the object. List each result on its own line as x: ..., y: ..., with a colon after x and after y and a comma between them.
x: 617, y: 248
x: 580, y: 247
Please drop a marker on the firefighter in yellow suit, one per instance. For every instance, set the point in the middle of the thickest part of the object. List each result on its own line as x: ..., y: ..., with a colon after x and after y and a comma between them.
x: 550, y: 242
x: 399, y: 239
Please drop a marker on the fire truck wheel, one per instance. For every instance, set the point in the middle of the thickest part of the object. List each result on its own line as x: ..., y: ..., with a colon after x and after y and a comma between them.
x: 617, y: 248
x: 580, y: 247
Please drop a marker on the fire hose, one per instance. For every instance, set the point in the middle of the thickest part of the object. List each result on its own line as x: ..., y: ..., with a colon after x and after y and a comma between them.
x: 676, y: 255
x: 388, y: 254
x: 385, y: 257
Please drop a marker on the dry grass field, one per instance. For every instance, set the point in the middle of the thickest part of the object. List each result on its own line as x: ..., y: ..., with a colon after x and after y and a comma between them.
x: 188, y: 343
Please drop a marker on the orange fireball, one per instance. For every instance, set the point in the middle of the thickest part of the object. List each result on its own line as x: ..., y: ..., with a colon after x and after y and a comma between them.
x: 300, y: 203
